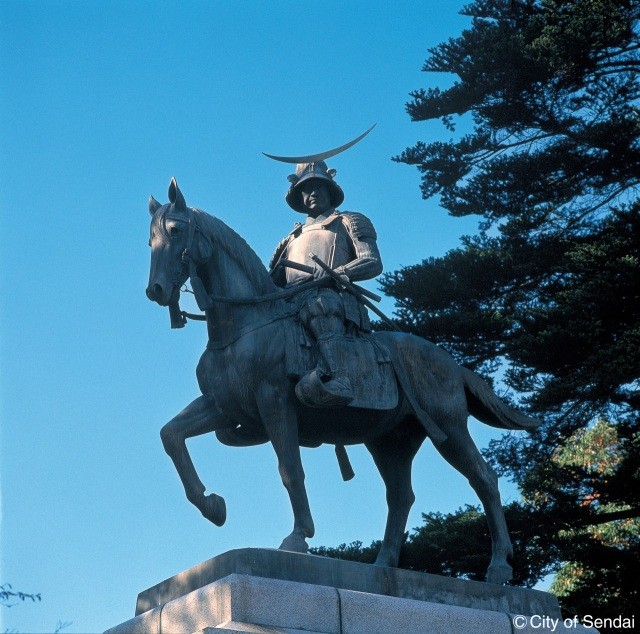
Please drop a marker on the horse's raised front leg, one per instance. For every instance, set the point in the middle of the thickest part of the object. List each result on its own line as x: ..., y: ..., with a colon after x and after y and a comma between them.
x: 199, y: 417
x: 280, y: 421
x: 393, y: 455
x: 460, y: 451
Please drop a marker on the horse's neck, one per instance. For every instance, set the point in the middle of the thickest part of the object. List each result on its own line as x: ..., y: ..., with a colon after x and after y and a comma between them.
x: 227, y: 278
x: 234, y: 272
x: 234, y: 269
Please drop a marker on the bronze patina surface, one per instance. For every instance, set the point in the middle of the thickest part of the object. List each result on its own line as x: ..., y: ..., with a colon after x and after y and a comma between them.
x: 247, y: 397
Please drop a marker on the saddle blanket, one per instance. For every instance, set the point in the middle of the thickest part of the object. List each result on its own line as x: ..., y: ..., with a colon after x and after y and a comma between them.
x: 367, y: 361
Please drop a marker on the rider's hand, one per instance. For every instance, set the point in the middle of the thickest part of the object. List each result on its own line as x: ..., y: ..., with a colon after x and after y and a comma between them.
x: 319, y: 272
x: 344, y: 278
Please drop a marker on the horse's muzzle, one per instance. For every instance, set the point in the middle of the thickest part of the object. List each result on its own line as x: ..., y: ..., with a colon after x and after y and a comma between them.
x: 155, y: 293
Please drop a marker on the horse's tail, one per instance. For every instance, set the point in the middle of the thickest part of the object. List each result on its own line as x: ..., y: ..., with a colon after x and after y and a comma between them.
x: 485, y: 405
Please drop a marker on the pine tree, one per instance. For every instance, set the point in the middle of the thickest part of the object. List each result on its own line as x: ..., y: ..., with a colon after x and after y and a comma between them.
x: 549, y: 289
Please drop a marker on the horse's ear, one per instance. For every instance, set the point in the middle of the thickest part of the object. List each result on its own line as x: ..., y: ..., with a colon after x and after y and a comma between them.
x: 154, y: 205
x: 176, y: 197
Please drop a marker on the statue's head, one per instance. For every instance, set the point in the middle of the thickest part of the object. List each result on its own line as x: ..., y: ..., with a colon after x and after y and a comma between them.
x: 307, y: 175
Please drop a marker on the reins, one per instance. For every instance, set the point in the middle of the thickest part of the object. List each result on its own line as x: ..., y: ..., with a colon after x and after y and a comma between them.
x: 258, y: 299
x: 205, y: 300
x: 270, y: 297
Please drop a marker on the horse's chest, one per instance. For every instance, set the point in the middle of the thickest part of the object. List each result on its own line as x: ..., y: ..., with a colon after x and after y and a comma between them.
x: 229, y: 376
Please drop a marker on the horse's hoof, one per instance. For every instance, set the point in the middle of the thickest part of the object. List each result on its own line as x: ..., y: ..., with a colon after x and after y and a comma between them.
x: 295, y: 543
x: 499, y: 574
x: 214, y: 509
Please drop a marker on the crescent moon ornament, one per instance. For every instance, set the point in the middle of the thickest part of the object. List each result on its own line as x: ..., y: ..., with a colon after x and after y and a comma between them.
x: 314, y: 158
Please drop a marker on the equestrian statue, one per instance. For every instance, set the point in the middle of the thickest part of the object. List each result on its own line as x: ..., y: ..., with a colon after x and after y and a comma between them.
x: 291, y: 359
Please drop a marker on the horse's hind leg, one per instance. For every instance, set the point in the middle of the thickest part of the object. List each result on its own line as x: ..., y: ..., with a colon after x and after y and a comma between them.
x: 199, y: 417
x: 393, y: 454
x: 460, y: 451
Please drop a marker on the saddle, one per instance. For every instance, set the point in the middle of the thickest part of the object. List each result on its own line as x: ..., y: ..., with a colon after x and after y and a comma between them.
x: 370, y: 369
x: 367, y: 361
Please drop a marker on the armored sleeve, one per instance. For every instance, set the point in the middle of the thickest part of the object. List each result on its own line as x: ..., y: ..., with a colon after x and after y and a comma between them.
x: 367, y: 262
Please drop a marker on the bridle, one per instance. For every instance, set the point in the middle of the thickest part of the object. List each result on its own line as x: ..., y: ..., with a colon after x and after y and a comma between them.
x: 186, y: 268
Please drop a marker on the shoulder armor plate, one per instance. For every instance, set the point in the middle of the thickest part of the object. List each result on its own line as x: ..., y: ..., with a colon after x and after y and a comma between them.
x: 358, y: 225
x: 277, y: 254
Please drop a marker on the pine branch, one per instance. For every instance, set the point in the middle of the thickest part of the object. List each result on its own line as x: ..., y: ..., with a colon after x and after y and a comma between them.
x: 604, y: 518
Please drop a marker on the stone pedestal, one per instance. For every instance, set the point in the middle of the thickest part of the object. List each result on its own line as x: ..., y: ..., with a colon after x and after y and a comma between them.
x: 273, y: 591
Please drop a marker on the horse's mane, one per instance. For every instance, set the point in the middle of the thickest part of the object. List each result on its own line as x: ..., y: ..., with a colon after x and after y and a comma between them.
x: 236, y: 247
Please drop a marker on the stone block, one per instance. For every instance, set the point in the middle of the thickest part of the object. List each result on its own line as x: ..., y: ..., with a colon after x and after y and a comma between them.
x: 241, y: 600
x: 350, y: 575
x: 276, y: 592
x: 364, y: 613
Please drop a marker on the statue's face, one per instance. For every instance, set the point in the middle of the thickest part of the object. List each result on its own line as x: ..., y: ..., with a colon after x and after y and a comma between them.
x: 315, y: 196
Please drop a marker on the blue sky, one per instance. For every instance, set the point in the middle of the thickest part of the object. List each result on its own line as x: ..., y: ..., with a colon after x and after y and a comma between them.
x: 101, y: 103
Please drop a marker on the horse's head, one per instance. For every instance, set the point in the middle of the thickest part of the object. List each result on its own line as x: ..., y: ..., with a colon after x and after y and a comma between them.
x: 172, y: 236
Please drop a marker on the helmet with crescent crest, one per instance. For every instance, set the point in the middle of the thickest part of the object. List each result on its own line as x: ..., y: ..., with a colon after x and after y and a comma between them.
x: 314, y: 167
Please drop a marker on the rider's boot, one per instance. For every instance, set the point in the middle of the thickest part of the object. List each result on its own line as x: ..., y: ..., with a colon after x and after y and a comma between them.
x: 330, y: 386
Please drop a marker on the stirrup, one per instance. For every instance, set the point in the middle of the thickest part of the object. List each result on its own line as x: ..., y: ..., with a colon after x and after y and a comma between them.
x: 314, y: 392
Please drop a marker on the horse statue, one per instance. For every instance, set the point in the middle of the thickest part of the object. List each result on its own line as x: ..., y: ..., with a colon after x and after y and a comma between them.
x: 248, y: 396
